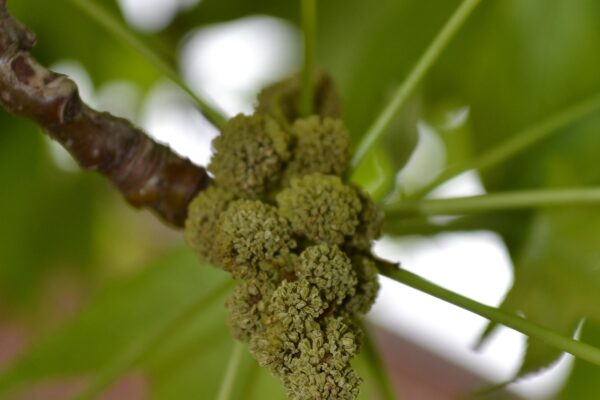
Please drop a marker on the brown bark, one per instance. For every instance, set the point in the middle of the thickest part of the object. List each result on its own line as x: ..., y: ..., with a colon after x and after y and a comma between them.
x: 148, y: 174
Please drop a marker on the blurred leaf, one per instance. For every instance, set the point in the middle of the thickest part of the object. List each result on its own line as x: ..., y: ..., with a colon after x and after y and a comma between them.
x: 46, y: 213
x: 512, y: 73
x: 188, y: 365
x: 377, y: 174
x: 557, y: 280
x: 583, y: 383
x: 116, y: 317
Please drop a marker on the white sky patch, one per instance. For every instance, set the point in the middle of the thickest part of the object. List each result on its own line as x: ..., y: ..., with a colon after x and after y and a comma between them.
x: 153, y: 15
x: 426, y: 162
x: 231, y: 62
x: 169, y: 117
x: 77, y: 72
x: 465, y: 184
x: 547, y: 384
x: 120, y: 98
x: 472, y: 264
x: 476, y: 265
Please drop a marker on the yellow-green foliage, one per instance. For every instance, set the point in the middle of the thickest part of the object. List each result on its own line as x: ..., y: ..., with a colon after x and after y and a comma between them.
x: 282, y: 220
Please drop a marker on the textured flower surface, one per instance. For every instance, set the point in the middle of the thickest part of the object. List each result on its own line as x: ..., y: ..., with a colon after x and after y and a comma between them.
x: 249, y: 155
x: 320, y: 145
x: 282, y: 221
x: 321, y: 208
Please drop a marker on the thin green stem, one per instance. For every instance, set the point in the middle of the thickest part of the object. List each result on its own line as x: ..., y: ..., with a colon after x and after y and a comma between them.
x: 142, y: 347
x: 309, y: 28
x: 531, y: 329
x: 377, y: 367
x: 497, y: 202
x: 251, y: 378
x: 121, y: 32
x: 518, y: 142
x: 232, y: 372
x: 424, y: 64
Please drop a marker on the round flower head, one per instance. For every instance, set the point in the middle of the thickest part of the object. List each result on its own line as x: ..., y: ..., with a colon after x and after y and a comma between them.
x: 321, y: 145
x: 330, y: 270
x: 202, y: 221
x: 282, y: 99
x: 367, y: 287
x: 249, y: 155
x: 252, y: 237
x: 332, y: 346
x: 246, y: 306
x: 294, y: 302
x: 311, y: 384
x: 370, y: 225
x: 321, y: 208
x: 287, y: 322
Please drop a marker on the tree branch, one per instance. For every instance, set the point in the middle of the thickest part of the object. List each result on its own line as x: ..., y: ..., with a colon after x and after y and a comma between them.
x: 148, y: 174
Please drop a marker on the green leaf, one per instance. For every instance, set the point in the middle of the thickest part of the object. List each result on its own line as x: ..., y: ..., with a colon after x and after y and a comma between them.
x: 377, y: 174
x: 117, y: 317
x: 518, y: 74
x: 39, y: 199
x: 557, y: 280
x: 583, y: 382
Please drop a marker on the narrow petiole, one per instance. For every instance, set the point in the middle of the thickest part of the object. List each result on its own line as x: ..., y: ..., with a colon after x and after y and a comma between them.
x: 529, y: 328
x: 518, y: 143
x: 309, y: 29
x: 496, y: 202
x: 232, y: 372
x: 141, y: 348
x: 383, y: 122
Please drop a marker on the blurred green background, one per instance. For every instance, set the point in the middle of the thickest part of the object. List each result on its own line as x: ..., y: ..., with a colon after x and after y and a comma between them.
x: 68, y: 242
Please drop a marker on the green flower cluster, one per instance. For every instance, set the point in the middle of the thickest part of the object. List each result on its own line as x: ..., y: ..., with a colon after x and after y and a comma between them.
x: 282, y: 99
x: 281, y: 220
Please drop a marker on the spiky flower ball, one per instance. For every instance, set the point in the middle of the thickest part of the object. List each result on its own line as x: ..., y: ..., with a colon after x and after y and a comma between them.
x: 282, y: 99
x: 320, y: 145
x: 249, y: 155
x: 321, y: 208
x: 203, y: 217
x: 252, y: 238
x: 370, y: 225
x: 282, y: 221
x: 246, y: 306
x: 367, y: 286
x: 323, y: 370
x: 330, y: 270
